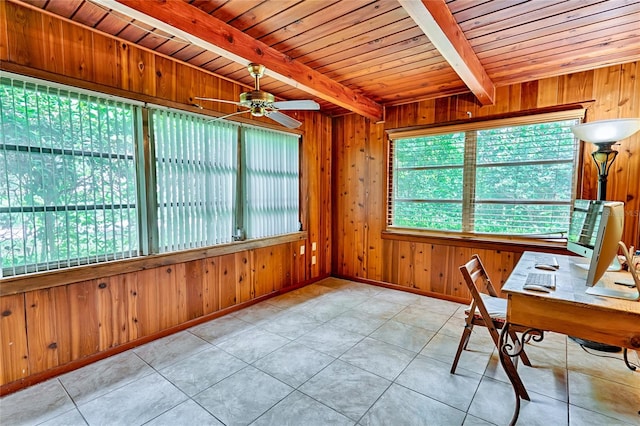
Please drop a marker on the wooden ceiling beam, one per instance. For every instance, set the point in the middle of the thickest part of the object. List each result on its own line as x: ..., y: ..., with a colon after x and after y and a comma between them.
x: 435, y: 19
x: 196, y: 26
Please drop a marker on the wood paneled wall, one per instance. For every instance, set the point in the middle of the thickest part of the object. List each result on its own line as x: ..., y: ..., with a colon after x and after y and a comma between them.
x: 48, y: 328
x: 359, y: 174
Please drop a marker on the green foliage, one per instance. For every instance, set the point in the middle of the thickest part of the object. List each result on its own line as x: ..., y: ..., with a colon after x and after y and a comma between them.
x: 521, y: 183
x: 68, y: 167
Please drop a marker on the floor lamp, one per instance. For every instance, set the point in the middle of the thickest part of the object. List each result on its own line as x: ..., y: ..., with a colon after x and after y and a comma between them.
x: 604, y: 134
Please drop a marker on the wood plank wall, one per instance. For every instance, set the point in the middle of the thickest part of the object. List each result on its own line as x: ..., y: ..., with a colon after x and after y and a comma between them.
x: 359, y: 173
x: 46, y: 329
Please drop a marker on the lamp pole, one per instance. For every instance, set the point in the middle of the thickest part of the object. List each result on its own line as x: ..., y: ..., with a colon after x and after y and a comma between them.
x: 604, y: 157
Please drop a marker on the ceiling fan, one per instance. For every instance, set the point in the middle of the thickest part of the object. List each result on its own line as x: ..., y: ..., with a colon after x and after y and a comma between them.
x: 261, y: 103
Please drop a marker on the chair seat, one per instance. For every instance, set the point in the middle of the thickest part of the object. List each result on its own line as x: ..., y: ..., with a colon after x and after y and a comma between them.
x: 496, y: 307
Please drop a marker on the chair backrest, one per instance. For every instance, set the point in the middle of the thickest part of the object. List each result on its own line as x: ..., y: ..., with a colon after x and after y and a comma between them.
x: 476, y: 278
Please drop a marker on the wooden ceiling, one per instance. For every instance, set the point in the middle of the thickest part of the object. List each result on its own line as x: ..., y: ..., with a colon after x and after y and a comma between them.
x: 359, y: 55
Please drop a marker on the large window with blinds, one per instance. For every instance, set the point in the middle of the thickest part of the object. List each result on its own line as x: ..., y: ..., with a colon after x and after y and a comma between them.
x: 271, y: 179
x: 67, y: 173
x: 196, y: 179
x: 81, y: 185
x: 502, y: 177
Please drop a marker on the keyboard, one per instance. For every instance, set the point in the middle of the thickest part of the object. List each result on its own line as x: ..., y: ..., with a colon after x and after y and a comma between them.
x: 548, y: 263
x: 544, y: 280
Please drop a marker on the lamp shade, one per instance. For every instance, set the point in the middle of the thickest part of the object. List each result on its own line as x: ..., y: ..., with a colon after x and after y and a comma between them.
x: 606, y: 131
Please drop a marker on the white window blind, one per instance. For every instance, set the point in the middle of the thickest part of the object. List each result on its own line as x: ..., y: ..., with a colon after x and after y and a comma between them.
x: 506, y: 177
x: 271, y: 205
x: 196, y: 174
x: 67, y: 170
x: 428, y: 181
x: 524, y: 179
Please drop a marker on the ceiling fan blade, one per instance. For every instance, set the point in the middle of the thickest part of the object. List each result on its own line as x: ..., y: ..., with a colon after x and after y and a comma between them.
x: 304, y: 104
x: 229, y: 115
x: 217, y: 100
x: 283, y: 119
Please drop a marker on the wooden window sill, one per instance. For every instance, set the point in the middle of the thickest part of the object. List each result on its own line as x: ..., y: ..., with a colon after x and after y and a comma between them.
x: 486, y: 242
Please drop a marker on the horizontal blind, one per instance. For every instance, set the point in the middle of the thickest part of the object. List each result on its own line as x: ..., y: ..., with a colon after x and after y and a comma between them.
x: 428, y: 182
x: 507, y: 176
x: 196, y: 176
x: 68, y: 165
x: 271, y: 173
x: 524, y: 178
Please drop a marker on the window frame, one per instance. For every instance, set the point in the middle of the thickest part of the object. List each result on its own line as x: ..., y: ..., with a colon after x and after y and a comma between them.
x: 560, y: 113
x: 145, y: 173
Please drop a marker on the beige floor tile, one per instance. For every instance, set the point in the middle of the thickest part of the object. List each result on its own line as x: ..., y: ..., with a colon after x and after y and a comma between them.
x: 402, y: 406
x: 404, y: 335
x: 35, y: 404
x: 607, y: 366
x: 495, y: 402
x: 609, y: 398
x: 357, y: 322
x: 581, y: 417
x: 443, y: 348
x: 421, y: 316
x: 432, y: 378
x: 378, y: 357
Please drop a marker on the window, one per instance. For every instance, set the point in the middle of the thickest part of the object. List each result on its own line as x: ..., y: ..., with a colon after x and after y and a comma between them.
x: 196, y: 169
x: 505, y: 177
x: 67, y: 169
x: 271, y: 183
x: 79, y: 184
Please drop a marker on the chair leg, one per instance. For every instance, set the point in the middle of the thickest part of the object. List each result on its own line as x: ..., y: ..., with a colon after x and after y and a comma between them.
x: 466, y: 333
x: 468, y: 327
x: 518, y: 344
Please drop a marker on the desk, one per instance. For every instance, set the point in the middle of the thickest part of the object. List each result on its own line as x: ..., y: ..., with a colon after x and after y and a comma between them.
x: 568, y: 309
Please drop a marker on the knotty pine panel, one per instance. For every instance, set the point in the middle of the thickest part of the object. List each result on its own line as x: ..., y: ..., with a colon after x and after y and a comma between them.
x: 315, y: 168
x: 272, y: 267
x: 4, y: 36
x: 78, y: 50
x: 106, y: 52
x: 245, y: 290
x: 14, y: 353
x: 195, y: 282
x: 434, y: 268
x: 83, y: 325
x: 113, y: 310
x: 47, y: 328
x: 53, y: 50
x: 227, y: 280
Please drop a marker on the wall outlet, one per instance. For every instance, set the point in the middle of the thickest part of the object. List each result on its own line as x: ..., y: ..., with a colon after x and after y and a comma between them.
x: 301, y: 250
x: 313, y: 260
x: 313, y: 246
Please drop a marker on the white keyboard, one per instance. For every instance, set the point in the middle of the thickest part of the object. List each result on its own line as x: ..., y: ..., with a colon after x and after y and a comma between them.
x: 544, y: 280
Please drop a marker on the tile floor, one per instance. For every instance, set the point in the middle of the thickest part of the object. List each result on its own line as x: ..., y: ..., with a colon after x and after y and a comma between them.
x: 332, y: 353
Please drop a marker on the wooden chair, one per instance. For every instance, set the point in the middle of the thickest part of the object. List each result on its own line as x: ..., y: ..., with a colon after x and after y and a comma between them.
x: 487, y: 310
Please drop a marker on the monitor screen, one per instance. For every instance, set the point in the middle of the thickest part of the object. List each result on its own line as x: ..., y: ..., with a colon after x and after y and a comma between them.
x: 583, y: 228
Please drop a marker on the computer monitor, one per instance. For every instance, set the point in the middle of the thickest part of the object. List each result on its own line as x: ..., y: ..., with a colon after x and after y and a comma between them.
x: 583, y: 228
x: 609, y: 234
x: 606, y: 249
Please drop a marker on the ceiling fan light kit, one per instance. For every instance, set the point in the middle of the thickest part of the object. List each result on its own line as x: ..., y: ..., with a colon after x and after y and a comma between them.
x: 261, y: 103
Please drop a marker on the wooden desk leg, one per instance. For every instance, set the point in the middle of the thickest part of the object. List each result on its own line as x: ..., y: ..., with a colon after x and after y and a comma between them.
x: 512, y: 373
